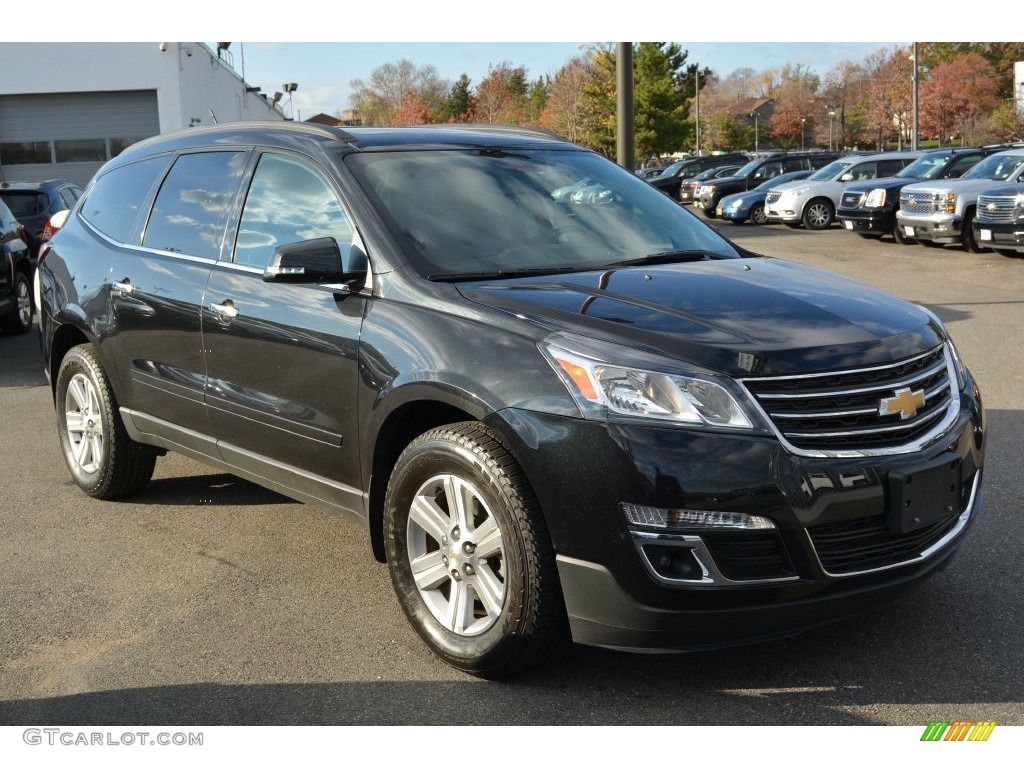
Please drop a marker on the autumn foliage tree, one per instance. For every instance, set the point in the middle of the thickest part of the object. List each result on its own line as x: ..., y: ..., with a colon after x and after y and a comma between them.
x: 958, y: 98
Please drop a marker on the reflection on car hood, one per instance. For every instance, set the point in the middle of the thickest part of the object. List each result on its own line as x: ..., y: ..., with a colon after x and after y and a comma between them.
x: 738, y: 316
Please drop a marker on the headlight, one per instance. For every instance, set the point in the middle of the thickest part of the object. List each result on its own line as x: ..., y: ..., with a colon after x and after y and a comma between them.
x: 875, y: 198
x: 603, y: 382
x: 958, y: 363
x: 736, y: 203
x: 1018, y: 202
x: 945, y: 203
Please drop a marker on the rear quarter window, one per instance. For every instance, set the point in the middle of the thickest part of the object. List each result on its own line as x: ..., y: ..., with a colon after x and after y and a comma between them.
x: 114, y: 203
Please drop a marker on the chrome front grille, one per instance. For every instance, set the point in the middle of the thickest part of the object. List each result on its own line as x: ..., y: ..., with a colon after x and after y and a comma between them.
x: 881, y: 409
x: 851, y: 200
x: 772, y: 197
x: 996, y: 210
x: 916, y: 202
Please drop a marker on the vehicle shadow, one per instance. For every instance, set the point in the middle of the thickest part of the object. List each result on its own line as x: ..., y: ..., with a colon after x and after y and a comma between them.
x: 21, y: 361
x: 214, y: 490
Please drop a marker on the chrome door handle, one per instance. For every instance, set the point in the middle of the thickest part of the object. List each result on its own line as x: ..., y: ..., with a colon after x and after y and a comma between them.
x: 124, y: 288
x: 225, y: 310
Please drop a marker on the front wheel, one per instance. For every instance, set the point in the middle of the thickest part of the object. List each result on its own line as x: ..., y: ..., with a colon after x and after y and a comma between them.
x: 104, y: 461
x: 758, y: 215
x: 818, y: 214
x: 469, y: 554
x: 967, y: 239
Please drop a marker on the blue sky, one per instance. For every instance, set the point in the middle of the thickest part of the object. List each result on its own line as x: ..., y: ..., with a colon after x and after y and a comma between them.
x: 323, y: 70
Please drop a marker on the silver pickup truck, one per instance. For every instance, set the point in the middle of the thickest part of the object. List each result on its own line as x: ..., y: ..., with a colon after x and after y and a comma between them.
x: 941, y: 212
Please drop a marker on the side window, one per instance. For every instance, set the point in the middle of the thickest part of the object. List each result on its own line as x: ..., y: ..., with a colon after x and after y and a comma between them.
x: 288, y: 202
x: 769, y: 170
x: 115, y: 200
x: 961, y: 166
x: 795, y: 164
x: 67, y: 198
x: 191, y: 208
x: 891, y: 167
x: 863, y: 171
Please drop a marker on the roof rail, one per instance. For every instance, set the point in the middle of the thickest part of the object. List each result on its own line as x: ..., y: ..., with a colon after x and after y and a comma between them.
x: 500, y: 128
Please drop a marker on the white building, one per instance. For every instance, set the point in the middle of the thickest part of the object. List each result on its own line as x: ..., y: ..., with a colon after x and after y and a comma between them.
x: 1018, y: 86
x: 66, y: 108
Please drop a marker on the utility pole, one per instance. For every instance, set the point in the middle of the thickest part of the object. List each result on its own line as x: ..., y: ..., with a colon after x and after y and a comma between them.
x: 697, y: 103
x: 625, y: 150
x: 913, y: 141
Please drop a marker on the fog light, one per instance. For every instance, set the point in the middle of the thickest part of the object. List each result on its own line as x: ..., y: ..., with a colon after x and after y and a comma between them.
x: 676, y: 563
x: 693, y: 519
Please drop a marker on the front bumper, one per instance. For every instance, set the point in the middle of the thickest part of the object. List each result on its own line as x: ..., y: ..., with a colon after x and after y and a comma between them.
x: 1009, y: 236
x: 876, y: 221
x: 938, y: 228
x: 785, y: 211
x: 612, y: 594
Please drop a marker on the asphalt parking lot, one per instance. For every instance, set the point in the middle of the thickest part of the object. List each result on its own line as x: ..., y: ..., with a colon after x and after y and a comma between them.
x: 208, y: 600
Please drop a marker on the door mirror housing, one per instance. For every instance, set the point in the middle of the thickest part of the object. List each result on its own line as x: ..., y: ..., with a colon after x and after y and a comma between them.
x: 846, y: 177
x: 313, y: 261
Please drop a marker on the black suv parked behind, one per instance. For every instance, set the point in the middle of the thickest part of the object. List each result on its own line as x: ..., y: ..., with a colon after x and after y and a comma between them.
x: 755, y: 172
x: 869, y: 208
x: 672, y: 178
x: 590, y: 414
x: 15, y: 275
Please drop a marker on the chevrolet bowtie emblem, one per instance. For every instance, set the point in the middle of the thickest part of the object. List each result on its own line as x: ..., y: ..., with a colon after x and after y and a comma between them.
x: 990, y: 207
x: 905, y: 403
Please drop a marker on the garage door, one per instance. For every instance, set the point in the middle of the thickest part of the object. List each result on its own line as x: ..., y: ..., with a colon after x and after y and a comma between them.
x: 70, y: 135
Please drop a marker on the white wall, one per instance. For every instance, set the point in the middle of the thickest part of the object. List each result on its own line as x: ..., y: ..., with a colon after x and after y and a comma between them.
x: 187, y: 86
x: 1018, y: 86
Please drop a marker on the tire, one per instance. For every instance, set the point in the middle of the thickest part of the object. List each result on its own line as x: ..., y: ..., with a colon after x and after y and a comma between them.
x: 104, y: 462
x: 456, y: 496
x: 898, y: 237
x: 758, y: 215
x: 19, y: 321
x: 819, y: 214
x: 710, y: 212
x: 967, y: 241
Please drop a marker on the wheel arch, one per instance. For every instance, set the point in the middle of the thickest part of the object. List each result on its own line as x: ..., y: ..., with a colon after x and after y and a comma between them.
x: 399, y: 428
x: 65, y: 337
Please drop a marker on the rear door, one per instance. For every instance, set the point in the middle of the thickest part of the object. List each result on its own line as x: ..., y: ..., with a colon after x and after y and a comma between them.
x: 156, y: 289
x: 282, y: 358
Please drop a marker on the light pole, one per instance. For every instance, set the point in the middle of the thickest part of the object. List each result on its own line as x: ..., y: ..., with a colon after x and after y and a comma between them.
x: 803, y: 121
x: 755, y: 116
x: 913, y: 139
x: 831, y: 119
x: 290, y: 88
x: 696, y: 97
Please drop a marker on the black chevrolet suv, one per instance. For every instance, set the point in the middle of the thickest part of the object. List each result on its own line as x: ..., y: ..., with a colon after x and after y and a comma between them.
x: 869, y: 208
x: 758, y: 170
x: 589, y: 416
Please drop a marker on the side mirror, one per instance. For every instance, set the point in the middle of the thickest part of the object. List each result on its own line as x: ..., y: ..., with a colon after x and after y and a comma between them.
x: 846, y: 177
x: 311, y: 261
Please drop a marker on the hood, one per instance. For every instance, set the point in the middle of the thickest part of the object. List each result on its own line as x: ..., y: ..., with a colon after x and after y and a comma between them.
x: 957, y: 186
x: 886, y: 182
x: 1005, y: 190
x: 736, y: 316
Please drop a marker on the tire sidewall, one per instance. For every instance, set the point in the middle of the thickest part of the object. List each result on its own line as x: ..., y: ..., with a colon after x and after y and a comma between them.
x: 418, y: 464
x: 74, y: 363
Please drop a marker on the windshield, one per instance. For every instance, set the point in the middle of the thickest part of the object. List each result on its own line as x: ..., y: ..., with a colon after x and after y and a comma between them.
x: 926, y: 167
x: 995, y: 167
x: 492, y: 212
x: 749, y: 168
x: 831, y: 170
x: 673, y: 169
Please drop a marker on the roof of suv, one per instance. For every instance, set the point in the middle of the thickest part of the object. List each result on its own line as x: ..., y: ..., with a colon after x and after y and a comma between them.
x: 447, y: 136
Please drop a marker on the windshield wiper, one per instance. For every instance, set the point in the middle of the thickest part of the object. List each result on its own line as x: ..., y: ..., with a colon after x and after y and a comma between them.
x: 664, y: 257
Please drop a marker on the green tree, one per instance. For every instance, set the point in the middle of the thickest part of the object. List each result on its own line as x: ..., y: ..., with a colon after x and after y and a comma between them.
x: 460, y: 102
x: 663, y: 86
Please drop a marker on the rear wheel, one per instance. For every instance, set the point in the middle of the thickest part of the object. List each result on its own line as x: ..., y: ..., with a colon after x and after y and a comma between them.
x: 818, y: 214
x: 758, y: 214
x: 104, y: 461
x: 19, y: 321
x: 469, y: 554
